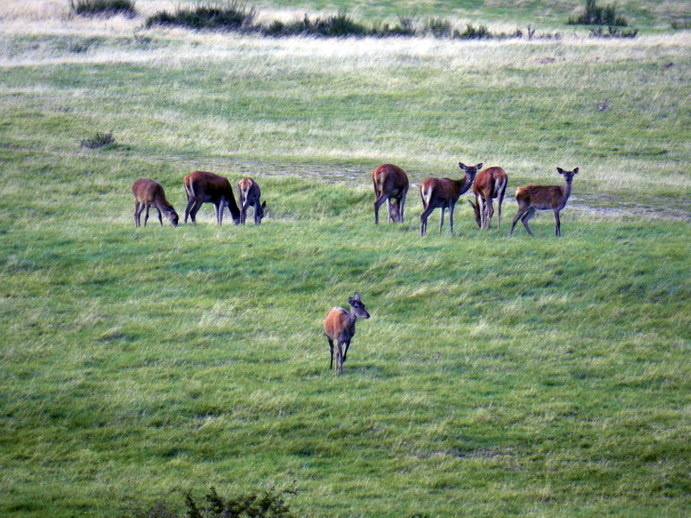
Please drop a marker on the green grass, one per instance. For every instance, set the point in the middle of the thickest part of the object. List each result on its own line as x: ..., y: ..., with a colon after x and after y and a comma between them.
x: 497, y: 376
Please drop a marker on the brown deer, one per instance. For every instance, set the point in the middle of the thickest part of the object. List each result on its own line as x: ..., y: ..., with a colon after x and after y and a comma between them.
x: 444, y: 193
x: 202, y: 187
x: 390, y: 184
x: 339, y: 326
x: 148, y: 192
x: 489, y: 183
x: 543, y: 197
x: 249, y: 194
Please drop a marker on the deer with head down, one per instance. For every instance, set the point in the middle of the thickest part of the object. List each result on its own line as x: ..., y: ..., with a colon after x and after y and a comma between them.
x: 339, y: 326
x: 531, y: 198
x: 391, y: 186
x: 443, y: 193
x: 249, y: 194
x: 489, y: 183
x: 148, y: 192
x: 202, y: 187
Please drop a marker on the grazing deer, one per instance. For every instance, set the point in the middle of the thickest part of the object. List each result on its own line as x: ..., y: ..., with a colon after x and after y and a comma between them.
x: 148, y: 192
x: 543, y: 197
x: 339, y: 326
x: 489, y: 183
x: 249, y: 194
x: 390, y: 183
x: 202, y: 187
x: 444, y: 193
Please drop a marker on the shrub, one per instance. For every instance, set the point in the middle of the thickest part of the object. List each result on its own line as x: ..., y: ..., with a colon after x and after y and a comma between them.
x: 473, y: 33
x: 597, y: 15
x: 98, y: 140
x: 231, y: 17
x: 267, y: 504
x: 613, y: 32
x: 102, y: 7
x: 335, y: 26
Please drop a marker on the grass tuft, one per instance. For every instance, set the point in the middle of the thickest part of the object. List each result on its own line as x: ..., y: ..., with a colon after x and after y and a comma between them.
x: 211, y: 16
x: 102, y: 7
x: 98, y: 140
x: 594, y: 14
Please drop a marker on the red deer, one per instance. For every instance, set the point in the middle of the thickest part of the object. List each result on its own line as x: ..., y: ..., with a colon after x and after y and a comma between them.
x: 489, y: 183
x: 202, y: 187
x: 148, y: 192
x: 390, y: 183
x: 249, y: 194
x: 543, y: 197
x: 444, y: 193
x: 339, y: 326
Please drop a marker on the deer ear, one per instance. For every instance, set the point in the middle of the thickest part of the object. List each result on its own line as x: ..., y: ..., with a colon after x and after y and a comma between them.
x: 462, y: 166
x: 479, y: 166
x: 560, y: 170
x: 575, y: 171
x: 264, y: 205
x: 356, y: 296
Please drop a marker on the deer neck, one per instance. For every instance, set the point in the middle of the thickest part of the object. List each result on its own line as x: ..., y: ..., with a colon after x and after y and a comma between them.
x: 463, y: 185
x: 566, y: 190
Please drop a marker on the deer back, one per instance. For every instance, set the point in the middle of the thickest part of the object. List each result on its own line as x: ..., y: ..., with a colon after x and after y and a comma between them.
x: 490, y: 182
x: 208, y: 187
x: 339, y: 325
x: 391, y: 179
x: 248, y: 190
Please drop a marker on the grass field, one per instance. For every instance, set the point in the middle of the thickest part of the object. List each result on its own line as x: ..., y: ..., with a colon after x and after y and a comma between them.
x: 497, y: 376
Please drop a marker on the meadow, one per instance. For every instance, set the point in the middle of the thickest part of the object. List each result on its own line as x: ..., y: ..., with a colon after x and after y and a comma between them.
x: 496, y: 376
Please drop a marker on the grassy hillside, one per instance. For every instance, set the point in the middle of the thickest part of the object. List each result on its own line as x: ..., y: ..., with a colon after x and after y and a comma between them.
x: 498, y: 375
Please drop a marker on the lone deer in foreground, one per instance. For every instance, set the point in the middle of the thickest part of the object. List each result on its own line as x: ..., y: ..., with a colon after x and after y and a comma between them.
x: 202, y: 187
x: 148, y: 192
x: 390, y: 184
x: 543, y: 197
x: 339, y: 326
x: 444, y: 193
x: 489, y: 183
x: 249, y: 194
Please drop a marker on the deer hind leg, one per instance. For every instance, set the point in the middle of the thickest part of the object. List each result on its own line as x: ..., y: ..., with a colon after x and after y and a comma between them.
x: 519, y: 216
x: 339, y: 357
x: 499, y: 202
x: 345, y: 352
x: 146, y: 214
x: 401, y: 206
x: 529, y: 214
x: 191, y: 209
x: 331, y: 347
x: 381, y: 198
x: 490, y: 212
x: 138, y: 207
x: 423, y: 220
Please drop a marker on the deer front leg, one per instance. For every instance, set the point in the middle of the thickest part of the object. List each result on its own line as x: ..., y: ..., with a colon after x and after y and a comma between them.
x: 146, y: 214
x: 331, y: 347
x: 557, y: 223
x: 378, y: 203
x: 138, y: 207
x: 160, y: 216
x: 339, y: 357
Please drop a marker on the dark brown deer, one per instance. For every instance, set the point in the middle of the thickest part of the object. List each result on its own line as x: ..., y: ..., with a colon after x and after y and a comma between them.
x: 390, y: 185
x: 339, y: 326
x: 249, y: 194
x: 543, y: 197
x: 202, y: 187
x: 148, y: 192
x: 443, y: 193
x: 489, y: 183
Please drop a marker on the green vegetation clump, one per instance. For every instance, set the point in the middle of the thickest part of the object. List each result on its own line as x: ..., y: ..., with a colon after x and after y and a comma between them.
x: 102, y: 7
x: 232, y: 17
x: 98, y: 140
x: 594, y: 14
x: 335, y: 26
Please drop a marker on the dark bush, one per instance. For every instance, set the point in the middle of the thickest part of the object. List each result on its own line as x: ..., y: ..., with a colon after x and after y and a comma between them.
x: 102, y: 7
x: 597, y: 15
x: 228, y: 17
x: 98, y: 140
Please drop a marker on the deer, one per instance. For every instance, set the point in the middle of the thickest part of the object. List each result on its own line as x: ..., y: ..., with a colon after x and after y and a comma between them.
x: 443, y: 193
x: 148, y: 192
x: 489, y: 183
x: 202, y: 187
x: 249, y: 194
x: 390, y: 184
x: 339, y: 326
x: 531, y: 198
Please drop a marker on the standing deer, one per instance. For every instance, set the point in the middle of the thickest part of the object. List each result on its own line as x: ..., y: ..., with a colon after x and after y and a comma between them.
x: 202, y: 187
x: 390, y: 183
x: 444, y: 193
x: 489, y: 183
x: 543, y: 197
x: 339, y: 326
x: 148, y: 192
x: 249, y: 194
